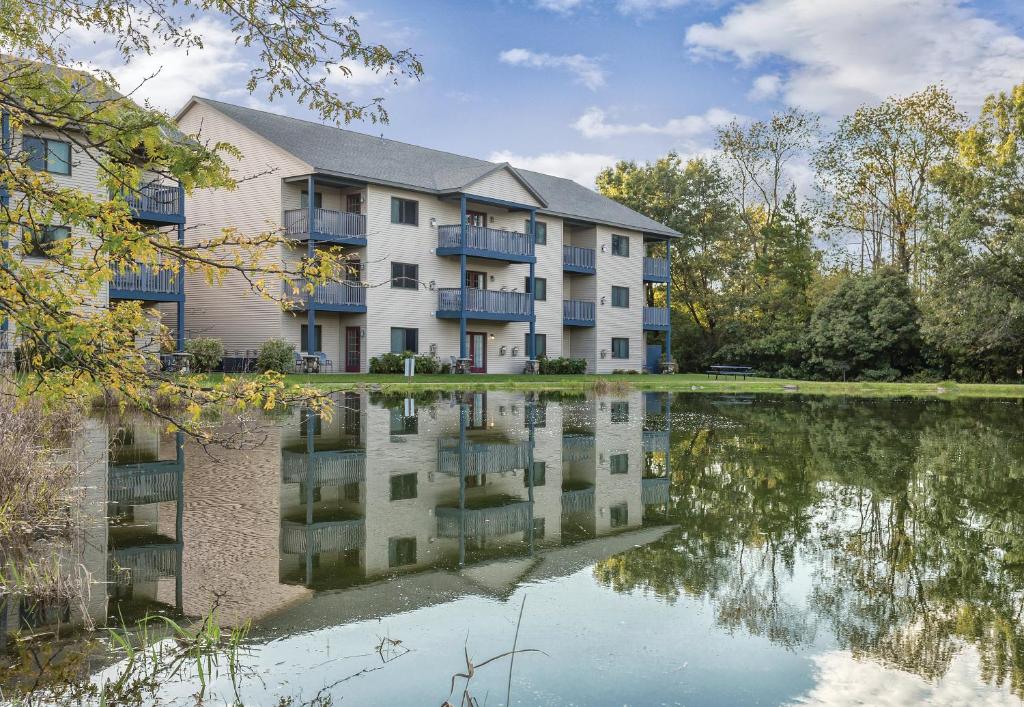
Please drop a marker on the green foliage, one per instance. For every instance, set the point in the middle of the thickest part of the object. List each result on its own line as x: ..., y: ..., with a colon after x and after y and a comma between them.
x: 276, y: 355
x: 869, y: 324
x: 563, y: 366
x: 395, y: 363
x: 207, y: 354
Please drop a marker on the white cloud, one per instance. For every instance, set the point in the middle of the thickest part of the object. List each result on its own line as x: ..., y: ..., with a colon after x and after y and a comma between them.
x: 178, y: 74
x: 765, y: 87
x: 581, y: 167
x: 844, y: 54
x: 594, y: 124
x: 844, y: 681
x: 586, y: 69
x: 563, y: 6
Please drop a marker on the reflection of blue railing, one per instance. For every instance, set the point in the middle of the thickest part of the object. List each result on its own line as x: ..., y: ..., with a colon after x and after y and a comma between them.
x: 656, y: 440
x: 331, y: 536
x: 655, y: 492
x: 146, y: 563
x: 481, y: 457
x: 483, y: 522
x: 332, y: 468
x: 139, y: 484
x: 578, y: 501
x: 577, y: 448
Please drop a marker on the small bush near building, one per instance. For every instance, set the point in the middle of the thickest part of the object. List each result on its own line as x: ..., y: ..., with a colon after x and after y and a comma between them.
x: 206, y: 354
x: 276, y: 355
x: 563, y: 366
x: 395, y: 363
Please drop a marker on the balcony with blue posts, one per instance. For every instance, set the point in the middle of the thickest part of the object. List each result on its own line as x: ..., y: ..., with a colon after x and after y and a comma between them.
x: 576, y: 259
x: 578, y: 313
x: 655, y: 270
x: 149, y: 283
x: 485, y: 242
x: 347, y: 296
x: 328, y: 226
x: 493, y: 305
x: 656, y: 319
x: 157, y: 204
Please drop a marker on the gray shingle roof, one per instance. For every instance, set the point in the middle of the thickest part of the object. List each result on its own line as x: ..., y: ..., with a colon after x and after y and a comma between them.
x: 374, y: 159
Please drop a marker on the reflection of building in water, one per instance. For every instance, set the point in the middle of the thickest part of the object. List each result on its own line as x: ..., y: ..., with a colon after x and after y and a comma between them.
x: 381, y: 490
x: 145, y: 509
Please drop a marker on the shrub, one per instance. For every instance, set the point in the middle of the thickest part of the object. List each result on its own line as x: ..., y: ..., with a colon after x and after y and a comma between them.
x: 625, y: 371
x: 276, y: 355
x: 395, y: 363
x: 207, y: 353
x: 563, y: 366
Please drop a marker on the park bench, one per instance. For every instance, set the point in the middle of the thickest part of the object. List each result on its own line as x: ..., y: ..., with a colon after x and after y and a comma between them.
x: 722, y: 370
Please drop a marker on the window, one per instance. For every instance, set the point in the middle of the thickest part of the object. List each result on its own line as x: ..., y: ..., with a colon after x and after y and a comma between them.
x: 619, y: 463
x: 620, y: 296
x: 354, y: 203
x: 304, y: 492
x: 620, y: 348
x: 404, y: 339
x: 318, y: 200
x: 39, y: 242
x: 540, y: 231
x: 405, y: 276
x: 540, y: 474
x: 401, y: 424
x: 620, y: 412
x: 401, y: 551
x: 310, y: 423
x: 318, y: 334
x: 542, y: 288
x: 619, y: 515
x: 403, y: 487
x: 540, y: 341
x: 47, y: 155
x: 620, y: 246
x: 476, y: 279
x: 405, y: 211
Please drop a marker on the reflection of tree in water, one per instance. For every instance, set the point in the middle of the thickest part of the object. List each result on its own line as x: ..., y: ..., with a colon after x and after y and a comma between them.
x: 909, y: 514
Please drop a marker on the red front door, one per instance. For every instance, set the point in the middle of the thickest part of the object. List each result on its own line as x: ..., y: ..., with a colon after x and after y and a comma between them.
x: 352, y: 353
x: 477, y: 351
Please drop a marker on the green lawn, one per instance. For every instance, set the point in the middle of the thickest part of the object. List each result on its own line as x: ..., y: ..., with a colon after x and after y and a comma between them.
x: 682, y: 383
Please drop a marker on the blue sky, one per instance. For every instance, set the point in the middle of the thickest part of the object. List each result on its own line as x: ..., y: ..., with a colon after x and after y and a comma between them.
x: 568, y: 86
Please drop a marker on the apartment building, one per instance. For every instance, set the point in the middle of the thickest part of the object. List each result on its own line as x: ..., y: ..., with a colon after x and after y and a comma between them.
x: 155, y: 204
x: 457, y: 257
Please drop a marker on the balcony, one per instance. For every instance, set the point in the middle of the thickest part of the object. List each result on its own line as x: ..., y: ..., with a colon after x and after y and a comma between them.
x: 145, y: 282
x: 655, y: 270
x: 481, y: 457
x: 328, y: 536
x: 578, y: 448
x: 655, y: 492
x: 328, y: 468
x: 482, y: 242
x: 494, y: 305
x: 146, y: 563
x: 576, y: 312
x: 656, y: 318
x: 483, y: 523
x: 578, y: 260
x: 139, y: 484
x: 157, y: 204
x: 337, y: 227
x: 578, y: 501
x: 331, y: 297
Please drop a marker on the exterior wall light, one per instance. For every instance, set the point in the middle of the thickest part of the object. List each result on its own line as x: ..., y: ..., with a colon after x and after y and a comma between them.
x: 433, y: 221
x: 501, y: 350
x: 604, y: 248
x: 515, y: 350
x: 603, y: 299
x: 604, y: 353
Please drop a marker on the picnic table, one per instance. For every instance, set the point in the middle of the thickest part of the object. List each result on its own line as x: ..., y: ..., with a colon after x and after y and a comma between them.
x: 730, y: 370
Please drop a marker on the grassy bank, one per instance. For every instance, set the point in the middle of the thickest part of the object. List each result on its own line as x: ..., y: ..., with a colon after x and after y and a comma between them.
x: 682, y: 383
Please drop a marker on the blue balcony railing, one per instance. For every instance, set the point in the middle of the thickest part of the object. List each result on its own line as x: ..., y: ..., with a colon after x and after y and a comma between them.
x: 144, y: 280
x: 485, y: 242
x: 656, y: 318
x: 328, y: 225
x: 476, y: 458
x: 157, y: 201
x: 576, y: 312
x: 499, y: 305
x: 577, y: 259
x: 341, y: 296
x: 655, y: 270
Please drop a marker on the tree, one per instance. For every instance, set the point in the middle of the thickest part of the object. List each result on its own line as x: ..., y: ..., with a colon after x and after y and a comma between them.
x: 875, y: 173
x: 73, y: 345
x: 869, y: 325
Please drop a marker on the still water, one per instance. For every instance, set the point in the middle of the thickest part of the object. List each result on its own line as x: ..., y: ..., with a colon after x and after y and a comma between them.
x: 692, y: 550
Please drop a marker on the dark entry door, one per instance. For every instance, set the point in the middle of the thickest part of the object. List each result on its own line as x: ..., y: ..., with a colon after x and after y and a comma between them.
x: 477, y: 351
x: 352, y: 352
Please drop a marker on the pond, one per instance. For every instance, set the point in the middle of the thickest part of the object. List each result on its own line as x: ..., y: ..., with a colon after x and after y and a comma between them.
x: 636, y: 548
